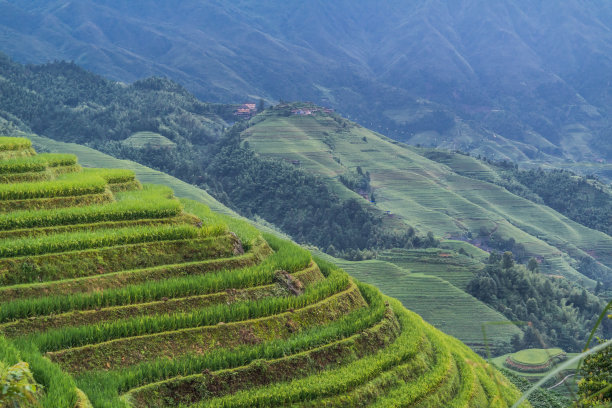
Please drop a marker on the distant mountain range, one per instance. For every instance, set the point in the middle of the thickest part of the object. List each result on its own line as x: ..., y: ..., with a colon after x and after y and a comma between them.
x: 524, y: 80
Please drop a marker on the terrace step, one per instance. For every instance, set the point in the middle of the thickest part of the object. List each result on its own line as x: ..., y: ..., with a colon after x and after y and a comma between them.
x: 199, y: 340
x: 57, y: 202
x: 184, y: 218
x: 74, y: 264
x: 26, y: 177
x: 12, y: 154
x: 39, y: 324
x: 121, y: 278
x: 338, y: 380
x: 191, y: 389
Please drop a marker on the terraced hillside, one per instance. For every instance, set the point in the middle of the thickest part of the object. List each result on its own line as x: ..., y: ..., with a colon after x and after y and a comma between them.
x: 417, y: 291
x: 438, y: 302
x: 424, y: 193
x: 117, y: 297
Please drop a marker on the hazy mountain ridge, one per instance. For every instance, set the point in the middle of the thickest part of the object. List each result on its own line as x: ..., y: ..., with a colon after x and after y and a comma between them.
x: 518, y: 79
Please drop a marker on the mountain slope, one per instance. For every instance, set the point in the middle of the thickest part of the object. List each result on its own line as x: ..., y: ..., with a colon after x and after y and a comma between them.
x: 159, y: 304
x: 425, y: 193
x: 515, y: 79
x: 67, y: 103
x: 444, y: 295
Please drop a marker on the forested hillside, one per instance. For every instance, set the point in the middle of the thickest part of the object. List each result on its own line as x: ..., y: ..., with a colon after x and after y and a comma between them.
x: 558, y: 311
x: 65, y: 102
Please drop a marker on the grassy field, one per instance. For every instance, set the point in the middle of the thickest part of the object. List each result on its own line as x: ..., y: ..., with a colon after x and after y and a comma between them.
x: 451, y: 266
x: 149, y: 139
x: 536, y: 357
x: 113, y: 309
x: 439, y: 302
x: 427, y: 194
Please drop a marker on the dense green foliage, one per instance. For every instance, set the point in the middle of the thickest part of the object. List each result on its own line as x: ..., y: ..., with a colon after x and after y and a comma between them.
x: 14, y: 143
x: 83, y: 240
x: 558, y: 312
x: 23, y: 165
x: 290, y: 259
x: 581, y: 199
x: 129, y: 206
x: 112, y: 176
x: 357, y: 181
x: 65, y: 102
x: 297, y: 202
x: 58, y: 159
x: 595, y: 386
x: 584, y: 200
x: 137, y: 326
x: 61, y: 188
x: 17, y: 386
x: 144, y: 373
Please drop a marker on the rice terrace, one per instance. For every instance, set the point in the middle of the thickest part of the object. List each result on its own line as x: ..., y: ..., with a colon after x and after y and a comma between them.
x: 305, y: 204
x: 118, y: 294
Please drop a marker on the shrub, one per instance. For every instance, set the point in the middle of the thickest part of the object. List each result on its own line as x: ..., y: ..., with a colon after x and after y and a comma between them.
x: 17, y: 385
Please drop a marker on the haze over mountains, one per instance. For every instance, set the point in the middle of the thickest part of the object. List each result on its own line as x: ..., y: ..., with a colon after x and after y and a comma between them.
x: 525, y: 80
x: 429, y: 179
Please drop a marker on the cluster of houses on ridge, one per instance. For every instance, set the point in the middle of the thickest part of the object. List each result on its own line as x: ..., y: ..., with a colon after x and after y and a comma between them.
x: 310, y: 111
x: 248, y: 110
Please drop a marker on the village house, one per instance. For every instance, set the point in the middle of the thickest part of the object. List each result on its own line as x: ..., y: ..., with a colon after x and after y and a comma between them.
x: 246, y: 110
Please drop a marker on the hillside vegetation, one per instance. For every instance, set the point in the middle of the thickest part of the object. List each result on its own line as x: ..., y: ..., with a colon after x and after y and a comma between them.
x: 117, y: 294
x: 434, y: 299
x: 428, y: 195
x: 438, y: 302
x: 157, y: 123
x: 585, y: 200
x: 559, y: 312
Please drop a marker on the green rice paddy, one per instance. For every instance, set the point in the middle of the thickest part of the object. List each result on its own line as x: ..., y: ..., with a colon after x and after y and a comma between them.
x: 116, y: 306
